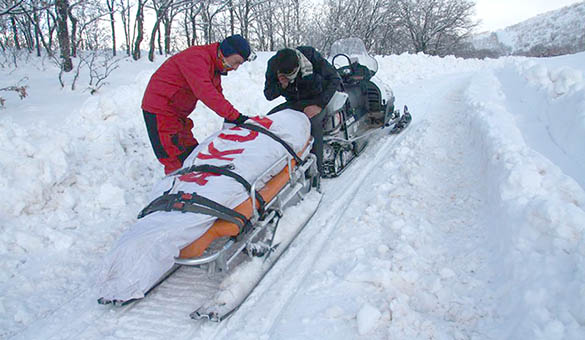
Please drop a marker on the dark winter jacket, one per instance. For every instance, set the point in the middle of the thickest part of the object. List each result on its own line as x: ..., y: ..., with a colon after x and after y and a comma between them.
x: 316, y: 88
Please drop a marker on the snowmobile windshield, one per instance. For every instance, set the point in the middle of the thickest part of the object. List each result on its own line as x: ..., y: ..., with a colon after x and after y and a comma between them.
x: 355, y: 49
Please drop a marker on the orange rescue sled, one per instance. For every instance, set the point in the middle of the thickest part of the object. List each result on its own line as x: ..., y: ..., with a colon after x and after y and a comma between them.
x: 282, y: 190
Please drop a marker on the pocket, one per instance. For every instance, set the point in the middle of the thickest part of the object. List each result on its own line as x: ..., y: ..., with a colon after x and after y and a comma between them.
x: 183, y: 101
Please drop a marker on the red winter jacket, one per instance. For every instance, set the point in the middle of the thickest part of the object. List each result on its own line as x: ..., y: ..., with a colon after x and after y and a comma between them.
x: 185, y: 78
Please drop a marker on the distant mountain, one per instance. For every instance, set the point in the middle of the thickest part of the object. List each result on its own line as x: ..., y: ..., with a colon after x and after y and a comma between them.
x: 553, y: 33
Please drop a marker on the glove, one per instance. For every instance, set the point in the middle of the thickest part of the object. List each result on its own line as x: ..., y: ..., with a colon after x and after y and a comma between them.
x: 241, y: 119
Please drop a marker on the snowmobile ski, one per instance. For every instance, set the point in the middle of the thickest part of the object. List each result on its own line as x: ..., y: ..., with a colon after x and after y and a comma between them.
x: 402, y: 123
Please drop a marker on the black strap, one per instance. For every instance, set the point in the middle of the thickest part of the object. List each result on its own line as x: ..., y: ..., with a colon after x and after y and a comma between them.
x: 273, y: 136
x: 197, y: 204
x: 226, y: 170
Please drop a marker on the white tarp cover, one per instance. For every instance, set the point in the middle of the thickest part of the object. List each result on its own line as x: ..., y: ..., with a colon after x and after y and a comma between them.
x: 147, y: 250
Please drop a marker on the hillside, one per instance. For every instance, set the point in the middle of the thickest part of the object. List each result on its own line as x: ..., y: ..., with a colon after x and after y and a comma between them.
x: 553, y: 33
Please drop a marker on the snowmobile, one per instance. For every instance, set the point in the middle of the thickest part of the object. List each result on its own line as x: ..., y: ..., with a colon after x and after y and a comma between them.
x: 363, y: 106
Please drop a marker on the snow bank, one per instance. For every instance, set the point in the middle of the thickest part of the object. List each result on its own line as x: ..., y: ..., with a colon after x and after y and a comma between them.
x: 540, y: 217
x: 557, y: 99
x: 68, y: 187
x: 409, y: 68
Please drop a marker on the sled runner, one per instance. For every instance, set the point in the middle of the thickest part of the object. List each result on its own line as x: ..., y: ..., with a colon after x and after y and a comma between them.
x: 222, y: 208
x: 364, y: 106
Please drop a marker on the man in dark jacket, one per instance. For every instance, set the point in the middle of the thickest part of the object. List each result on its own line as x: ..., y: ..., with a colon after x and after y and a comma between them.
x: 307, y: 81
x: 176, y: 87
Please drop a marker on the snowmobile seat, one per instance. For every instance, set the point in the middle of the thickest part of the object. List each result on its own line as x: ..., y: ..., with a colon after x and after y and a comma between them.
x: 354, y: 74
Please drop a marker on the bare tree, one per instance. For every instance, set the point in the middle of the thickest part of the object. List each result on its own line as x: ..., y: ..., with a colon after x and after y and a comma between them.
x: 61, y: 8
x: 32, y: 14
x: 244, y: 11
x: 191, y: 11
x: 124, y: 8
x: 435, y: 26
x: 357, y: 18
x: 210, y: 9
x: 100, y: 65
x: 51, y: 28
x: 10, y: 7
x: 84, y: 17
x: 14, y: 32
x: 232, y: 16
x: 138, y: 29
x: 165, y: 11
x: 19, y: 89
x: 265, y: 27
x: 73, y: 34
x: 111, y: 4
x: 35, y: 19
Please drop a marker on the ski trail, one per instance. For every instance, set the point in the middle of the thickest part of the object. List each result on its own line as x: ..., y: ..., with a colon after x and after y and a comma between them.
x: 164, y: 311
x: 435, y: 227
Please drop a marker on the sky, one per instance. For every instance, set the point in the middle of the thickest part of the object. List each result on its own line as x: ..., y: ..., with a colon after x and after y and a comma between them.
x: 498, y: 14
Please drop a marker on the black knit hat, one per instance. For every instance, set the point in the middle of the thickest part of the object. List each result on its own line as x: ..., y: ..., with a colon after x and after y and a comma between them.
x: 286, y: 60
x: 235, y: 44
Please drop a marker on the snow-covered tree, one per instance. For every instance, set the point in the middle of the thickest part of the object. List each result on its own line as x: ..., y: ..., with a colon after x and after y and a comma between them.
x: 434, y: 26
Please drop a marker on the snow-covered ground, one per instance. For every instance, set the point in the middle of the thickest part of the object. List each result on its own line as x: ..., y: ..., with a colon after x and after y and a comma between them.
x: 468, y: 225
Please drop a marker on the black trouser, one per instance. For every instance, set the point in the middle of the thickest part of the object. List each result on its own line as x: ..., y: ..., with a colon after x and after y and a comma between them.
x: 166, y: 144
x: 316, y: 127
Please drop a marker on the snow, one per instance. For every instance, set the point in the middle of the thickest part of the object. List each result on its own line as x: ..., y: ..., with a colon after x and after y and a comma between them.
x: 468, y: 225
x: 367, y: 318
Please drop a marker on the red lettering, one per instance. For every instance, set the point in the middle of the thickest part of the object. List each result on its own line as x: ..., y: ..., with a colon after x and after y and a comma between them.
x: 216, y: 154
x: 264, y: 121
x: 197, y: 177
x: 237, y: 138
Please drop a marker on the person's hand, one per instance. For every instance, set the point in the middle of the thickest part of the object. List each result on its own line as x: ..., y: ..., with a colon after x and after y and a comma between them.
x: 240, y: 120
x: 283, y: 80
x: 312, y: 110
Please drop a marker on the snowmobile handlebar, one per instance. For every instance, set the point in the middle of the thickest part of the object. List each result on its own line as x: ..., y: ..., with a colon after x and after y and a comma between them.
x: 348, y: 67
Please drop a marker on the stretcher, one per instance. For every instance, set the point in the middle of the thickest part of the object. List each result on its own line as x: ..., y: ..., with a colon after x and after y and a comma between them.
x: 282, y: 190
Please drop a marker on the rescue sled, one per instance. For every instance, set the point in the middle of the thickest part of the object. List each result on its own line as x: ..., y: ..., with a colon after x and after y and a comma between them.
x: 229, y: 231
x: 364, y: 106
x: 284, y: 190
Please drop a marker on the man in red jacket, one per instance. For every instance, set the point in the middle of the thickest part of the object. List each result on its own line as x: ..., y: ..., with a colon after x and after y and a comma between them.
x: 174, y: 89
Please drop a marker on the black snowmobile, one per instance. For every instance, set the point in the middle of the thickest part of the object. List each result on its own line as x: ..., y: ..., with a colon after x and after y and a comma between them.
x: 364, y: 106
